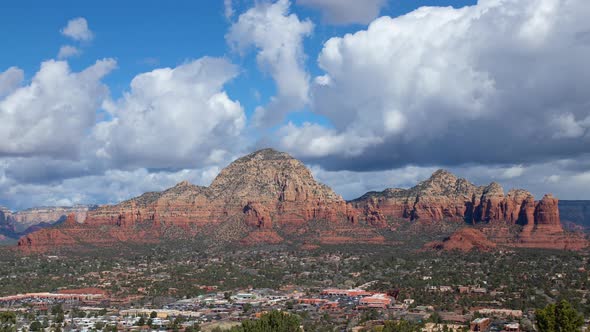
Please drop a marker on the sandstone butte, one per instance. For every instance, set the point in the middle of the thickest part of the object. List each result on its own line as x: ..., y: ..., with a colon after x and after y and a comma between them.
x: 465, y: 239
x: 270, y: 197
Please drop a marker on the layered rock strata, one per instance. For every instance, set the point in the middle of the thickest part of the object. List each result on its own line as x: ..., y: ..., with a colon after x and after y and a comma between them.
x: 445, y: 197
x: 270, y: 197
x: 266, y: 190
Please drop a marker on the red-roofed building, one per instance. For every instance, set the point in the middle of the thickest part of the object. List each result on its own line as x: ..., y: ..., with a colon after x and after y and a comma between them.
x: 346, y: 292
x: 381, y: 301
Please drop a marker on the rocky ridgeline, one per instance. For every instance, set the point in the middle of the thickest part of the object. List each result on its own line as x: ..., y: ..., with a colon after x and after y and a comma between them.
x: 15, y: 224
x: 445, y: 197
x: 268, y: 195
x: 265, y: 190
x: 49, y: 215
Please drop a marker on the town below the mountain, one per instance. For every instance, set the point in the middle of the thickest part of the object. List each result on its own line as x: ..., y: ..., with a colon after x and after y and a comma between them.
x: 343, y: 288
x: 268, y: 248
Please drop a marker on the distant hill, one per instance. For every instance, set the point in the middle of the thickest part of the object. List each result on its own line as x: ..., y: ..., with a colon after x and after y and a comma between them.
x: 13, y: 225
x: 577, y: 212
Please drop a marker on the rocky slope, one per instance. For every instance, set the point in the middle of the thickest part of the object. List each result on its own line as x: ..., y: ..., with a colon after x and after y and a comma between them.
x: 252, y: 200
x: 445, y: 197
x: 465, y: 239
x: 270, y: 197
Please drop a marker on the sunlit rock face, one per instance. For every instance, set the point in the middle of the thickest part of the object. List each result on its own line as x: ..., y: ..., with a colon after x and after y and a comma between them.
x: 268, y: 195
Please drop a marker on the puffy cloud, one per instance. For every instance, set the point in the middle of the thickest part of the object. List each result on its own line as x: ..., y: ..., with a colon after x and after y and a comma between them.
x: 278, y: 37
x: 513, y: 172
x: 228, y: 9
x: 174, y: 118
x: 67, y: 51
x: 550, y: 177
x: 111, y: 186
x: 46, y: 170
x: 567, y: 127
x: 51, y: 115
x: 10, y: 80
x: 500, y: 82
x: 314, y: 140
x: 352, y: 184
x: 346, y: 11
x: 173, y: 124
x: 77, y: 29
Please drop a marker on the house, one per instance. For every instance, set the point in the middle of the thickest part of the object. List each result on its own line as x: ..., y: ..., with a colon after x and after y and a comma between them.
x: 381, y: 301
x: 480, y: 324
x: 512, y: 327
x: 433, y: 327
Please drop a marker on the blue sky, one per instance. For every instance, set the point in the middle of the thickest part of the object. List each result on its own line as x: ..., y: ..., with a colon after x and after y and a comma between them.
x: 371, y: 94
x: 143, y: 35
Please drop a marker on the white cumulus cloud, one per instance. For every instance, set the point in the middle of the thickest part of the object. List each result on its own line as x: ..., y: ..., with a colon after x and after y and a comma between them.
x: 78, y: 30
x: 51, y: 115
x: 498, y: 82
x: 67, y: 51
x: 10, y: 79
x: 228, y: 9
x: 278, y: 38
x: 346, y: 11
x: 174, y: 117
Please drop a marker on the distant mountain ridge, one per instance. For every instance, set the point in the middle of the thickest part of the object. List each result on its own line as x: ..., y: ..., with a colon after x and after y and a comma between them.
x: 16, y: 224
x: 576, y: 212
x: 269, y: 197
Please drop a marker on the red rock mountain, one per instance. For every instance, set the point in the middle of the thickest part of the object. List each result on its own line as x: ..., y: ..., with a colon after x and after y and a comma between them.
x: 270, y: 197
x: 261, y: 190
x: 445, y: 197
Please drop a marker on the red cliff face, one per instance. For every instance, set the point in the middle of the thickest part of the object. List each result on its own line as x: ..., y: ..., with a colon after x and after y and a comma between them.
x: 546, y: 231
x: 547, y: 213
x: 268, y: 193
x: 446, y: 197
x: 264, y: 190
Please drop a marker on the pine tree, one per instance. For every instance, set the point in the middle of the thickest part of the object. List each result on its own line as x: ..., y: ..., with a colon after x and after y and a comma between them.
x: 560, y: 317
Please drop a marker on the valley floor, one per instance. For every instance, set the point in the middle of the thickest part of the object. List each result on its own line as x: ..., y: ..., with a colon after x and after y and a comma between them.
x: 454, y: 287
